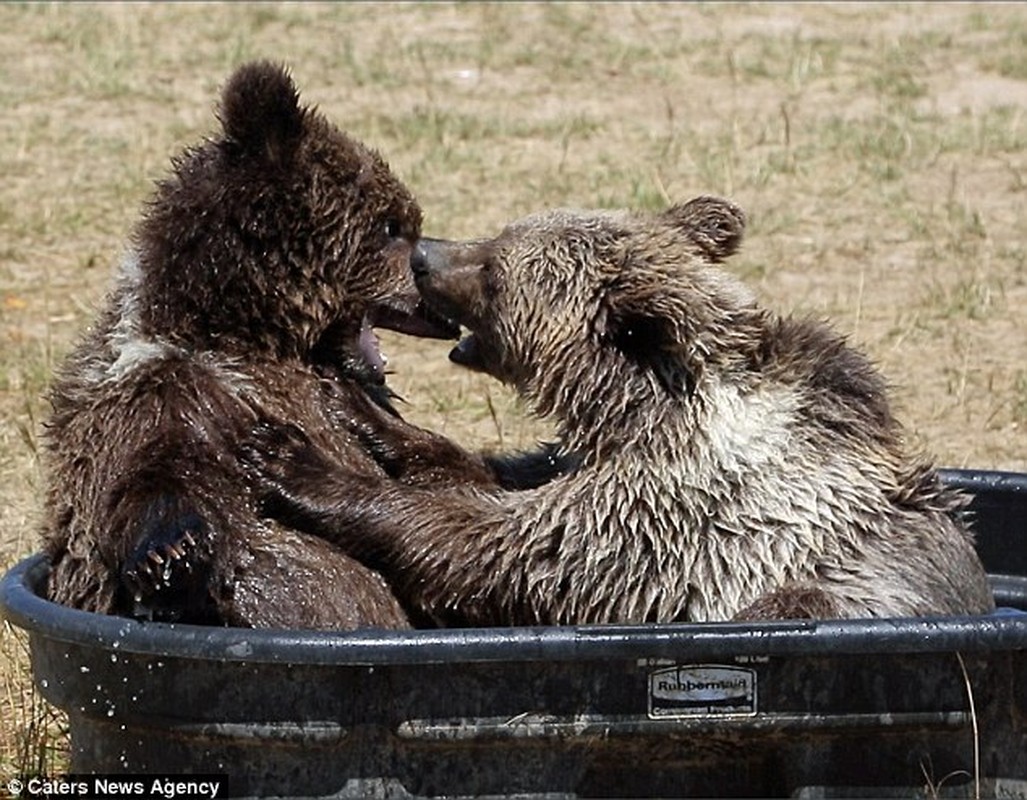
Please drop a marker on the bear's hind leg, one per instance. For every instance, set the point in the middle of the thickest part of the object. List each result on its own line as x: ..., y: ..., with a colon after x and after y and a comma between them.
x: 167, y: 573
x: 792, y: 601
x: 286, y: 579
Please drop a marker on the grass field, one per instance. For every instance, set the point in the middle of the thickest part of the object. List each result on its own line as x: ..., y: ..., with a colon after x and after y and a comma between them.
x: 880, y: 151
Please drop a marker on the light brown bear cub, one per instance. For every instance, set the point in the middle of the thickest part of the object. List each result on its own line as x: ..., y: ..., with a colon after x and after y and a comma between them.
x: 729, y: 463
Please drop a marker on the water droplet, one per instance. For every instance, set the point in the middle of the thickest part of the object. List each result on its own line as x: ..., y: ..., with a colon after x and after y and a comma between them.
x: 110, y: 711
x: 84, y: 669
x: 44, y: 683
x: 114, y: 658
x: 466, y: 75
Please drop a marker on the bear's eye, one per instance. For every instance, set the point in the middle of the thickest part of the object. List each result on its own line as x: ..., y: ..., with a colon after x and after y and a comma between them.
x: 393, y: 228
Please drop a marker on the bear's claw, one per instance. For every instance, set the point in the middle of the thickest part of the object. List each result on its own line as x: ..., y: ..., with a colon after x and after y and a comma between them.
x: 157, y: 567
x: 167, y: 561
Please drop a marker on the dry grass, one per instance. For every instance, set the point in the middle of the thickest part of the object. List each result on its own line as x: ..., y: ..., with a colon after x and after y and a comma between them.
x: 880, y: 150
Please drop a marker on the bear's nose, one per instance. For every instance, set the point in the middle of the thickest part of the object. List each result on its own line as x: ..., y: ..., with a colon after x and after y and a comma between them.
x: 419, y: 260
x: 427, y: 257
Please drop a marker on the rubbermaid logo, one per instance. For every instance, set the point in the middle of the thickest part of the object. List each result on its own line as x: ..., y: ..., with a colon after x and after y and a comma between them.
x: 702, y: 691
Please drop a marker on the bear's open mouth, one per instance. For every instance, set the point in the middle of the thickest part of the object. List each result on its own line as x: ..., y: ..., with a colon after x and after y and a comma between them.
x: 467, y: 353
x: 420, y: 321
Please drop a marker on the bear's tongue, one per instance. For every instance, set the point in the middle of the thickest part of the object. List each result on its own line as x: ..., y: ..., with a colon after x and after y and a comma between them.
x: 420, y: 321
x: 370, y: 349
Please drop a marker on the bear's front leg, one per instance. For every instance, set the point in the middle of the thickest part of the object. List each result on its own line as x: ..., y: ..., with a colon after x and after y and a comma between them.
x: 392, y: 527
x: 299, y: 483
x: 412, y: 455
x: 419, y: 457
x: 531, y: 469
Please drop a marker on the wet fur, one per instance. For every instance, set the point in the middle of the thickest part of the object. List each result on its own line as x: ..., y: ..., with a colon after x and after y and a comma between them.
x: 239, y: 305
x: 726, y: 462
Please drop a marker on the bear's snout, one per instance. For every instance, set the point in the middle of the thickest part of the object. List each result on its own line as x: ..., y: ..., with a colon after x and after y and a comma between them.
x: 427, y: 257
x: 449, y: 277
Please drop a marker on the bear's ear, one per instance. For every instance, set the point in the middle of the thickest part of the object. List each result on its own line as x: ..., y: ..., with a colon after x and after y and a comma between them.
x: 649, y: 327
x: 639, y: 317
x: 260, y: 111
x: 713, y: 224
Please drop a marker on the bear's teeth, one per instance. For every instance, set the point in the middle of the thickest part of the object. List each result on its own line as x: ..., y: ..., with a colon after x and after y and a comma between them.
x: 369, y: 348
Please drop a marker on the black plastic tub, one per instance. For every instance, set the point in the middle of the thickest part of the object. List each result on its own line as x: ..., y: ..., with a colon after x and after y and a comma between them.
x: 903, y: 707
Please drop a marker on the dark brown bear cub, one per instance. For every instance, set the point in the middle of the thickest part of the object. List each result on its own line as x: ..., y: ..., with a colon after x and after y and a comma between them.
x: 728, y: 463
x: 247, y: 298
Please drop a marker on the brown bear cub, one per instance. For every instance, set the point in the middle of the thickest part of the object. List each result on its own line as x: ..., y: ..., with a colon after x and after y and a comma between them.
x: 727, y: 463
x: 248, y: 297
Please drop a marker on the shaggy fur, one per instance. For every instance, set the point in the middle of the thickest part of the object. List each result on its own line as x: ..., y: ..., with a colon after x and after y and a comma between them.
x: 247, y: 298
x: 726, y: 463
